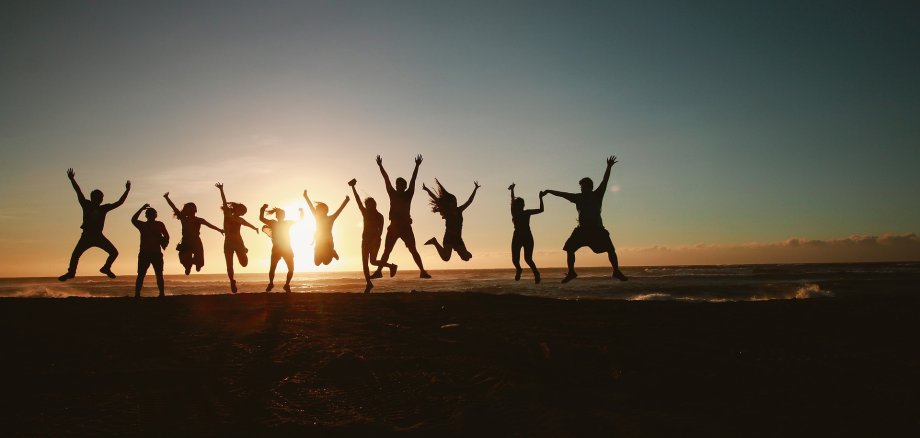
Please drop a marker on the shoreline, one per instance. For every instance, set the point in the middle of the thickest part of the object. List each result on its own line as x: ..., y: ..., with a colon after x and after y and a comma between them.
x: 458, y: 363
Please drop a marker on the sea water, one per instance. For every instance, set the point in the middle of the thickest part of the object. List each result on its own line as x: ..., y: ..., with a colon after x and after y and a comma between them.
x: 686, y: 283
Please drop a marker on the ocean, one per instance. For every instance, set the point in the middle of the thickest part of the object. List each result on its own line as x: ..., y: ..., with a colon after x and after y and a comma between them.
x: 685, y: 283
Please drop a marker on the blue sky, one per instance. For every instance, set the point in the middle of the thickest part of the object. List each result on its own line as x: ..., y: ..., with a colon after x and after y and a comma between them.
x: 735, y: 122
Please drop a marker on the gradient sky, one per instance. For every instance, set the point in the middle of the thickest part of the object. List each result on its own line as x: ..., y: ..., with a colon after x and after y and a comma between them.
x: 738, y: 125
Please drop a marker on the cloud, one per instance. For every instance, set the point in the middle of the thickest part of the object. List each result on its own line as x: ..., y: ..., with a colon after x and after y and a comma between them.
x: 856, y: 248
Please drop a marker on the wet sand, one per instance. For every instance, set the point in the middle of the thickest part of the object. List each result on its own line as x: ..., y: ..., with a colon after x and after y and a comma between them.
x: 465, y: 364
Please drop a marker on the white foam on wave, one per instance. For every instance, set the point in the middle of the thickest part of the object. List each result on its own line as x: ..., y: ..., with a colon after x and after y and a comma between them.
x: 811, y: 290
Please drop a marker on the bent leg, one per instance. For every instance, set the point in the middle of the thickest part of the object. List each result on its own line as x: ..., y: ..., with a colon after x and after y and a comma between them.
x: 388, y: 244
x: 108, y: 247
x: 82, y: 245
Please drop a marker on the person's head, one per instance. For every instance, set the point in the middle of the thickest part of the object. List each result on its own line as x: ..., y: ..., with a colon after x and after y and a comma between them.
x: 236, y: 209
x: 443, y: 201
x: 279, y: 213
x: 517, y: 205
x: 95, y: 197
x: 150, y: 214
x: 586, y: 185
x: 322, y: 208
x: 401, y: 184
x: 189, y: 209
x: 371, y: 203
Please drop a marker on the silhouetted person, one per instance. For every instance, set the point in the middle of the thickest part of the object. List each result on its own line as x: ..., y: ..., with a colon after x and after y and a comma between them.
x: 233, y: 240
x: 154, y: 238
x: 191, y: 250
x: 93, y: 222
x: 590, y: 231
x: 400, y: 218
x: 370, y: 237
x: 523, y: 238
x: 445, y: 203
x: 324, y: 248
x: 280, y: 232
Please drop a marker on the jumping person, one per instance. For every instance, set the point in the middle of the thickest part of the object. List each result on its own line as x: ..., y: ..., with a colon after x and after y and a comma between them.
x: 324, y: 249
x: 154, y: 238
x: 93, y: 222
x: 191, y: 250
x: 233, y: 240
x: 446, y: 203
x: 400, y: 218
x: 590, y: 231
x: 370, y: 237
x: 280, y: 232
x: 523, y: 238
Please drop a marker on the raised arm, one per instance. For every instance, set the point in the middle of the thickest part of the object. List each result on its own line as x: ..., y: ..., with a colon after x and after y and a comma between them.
x: 511, y: 187
x: 135, y: 219
x: 172, y: 206
x: 124, y: 196
x: 602, y: 187
x: 386, y: 178
x: 209, y: 225
x: 472, y: 195
x: 223, y: 197
x: 341, y: 207
x: 309, y: 202
x: 262, y: 214
x: 534, y: 211
x: 357, y: 198
x: 246, y: 223
x: 72, y: 176
x: 564, y: 195
x: 430, y: 193
x: 418, y: 162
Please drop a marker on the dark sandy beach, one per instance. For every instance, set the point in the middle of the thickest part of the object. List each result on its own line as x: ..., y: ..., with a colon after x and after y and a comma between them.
x: 444, y: 363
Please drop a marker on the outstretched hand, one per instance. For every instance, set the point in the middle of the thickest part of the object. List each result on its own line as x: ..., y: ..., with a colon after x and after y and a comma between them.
x: 424, y: 187
x: 304, y: 193
x: 418, y: 159
x: 352, y: 182
x: 476, y: 185
x: 166, y: 195
x: 145, y: 206
x: 379, y: 160
x: 511, y: 187
x: 71, y: 174
x: 542, y: 193
x: 127, y: 185
x: 264, y: 206
x: 611, y: 160
x: 219, y: 186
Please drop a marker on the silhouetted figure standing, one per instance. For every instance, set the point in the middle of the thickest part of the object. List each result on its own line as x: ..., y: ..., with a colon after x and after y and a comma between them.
x: 445, y: 203
x: 370, y: 237
x: 280, y: 232
x: 233, y: 240
x: 154, y: 238
x: 191, y: 250
x: 324, y: 249
x: 93, y: 222
x: 400, y: 218
x: 523, y: 238
x: 590, y: 231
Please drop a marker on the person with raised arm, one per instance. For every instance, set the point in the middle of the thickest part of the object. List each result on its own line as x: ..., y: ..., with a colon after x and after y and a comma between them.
x: 154, y: 239
x: 400, y: 219
x: 280, y: 232
x: 94, y: 213
x: 191, y: 250
x: 233, y: 240
x: 370, y: 237
x: 522, y: 237
x: 324, y: 249
x: 445, y: 203
x: 590, y: 231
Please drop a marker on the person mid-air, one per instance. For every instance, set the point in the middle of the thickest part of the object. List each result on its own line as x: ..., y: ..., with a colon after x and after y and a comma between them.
x: 93, y: 222
x: 445, y: 203
x: 191, y: 250
x: 280, y: 232
x: 590, y: 231
x: 324, y: 249
x: 154, y: 239
x: 233, y: 240
x: 523, y: 238
x: 370, y: 237
x: 400, y: 218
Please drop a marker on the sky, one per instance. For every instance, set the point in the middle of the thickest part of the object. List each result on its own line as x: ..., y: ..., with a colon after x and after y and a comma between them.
x: 747, y: 132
